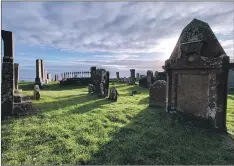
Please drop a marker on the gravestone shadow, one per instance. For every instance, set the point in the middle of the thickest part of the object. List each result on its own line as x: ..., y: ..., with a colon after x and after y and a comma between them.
x: 154, y: 138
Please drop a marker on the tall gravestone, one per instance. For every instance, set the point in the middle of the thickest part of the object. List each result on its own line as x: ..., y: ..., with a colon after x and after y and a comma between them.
x: 38, y: 79
x: 132, y: 78
x: 7, y: 74
x: 16, y: 75
x: 197, y: 75
x: 45, y: 74
x: 117, y: 75
x: 49, y: 77
x: 42, y: 71
x: 150, y: 78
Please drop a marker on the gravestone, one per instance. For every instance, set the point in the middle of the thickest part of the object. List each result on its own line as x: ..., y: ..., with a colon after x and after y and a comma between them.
x: 49, y: 77
x: 46, y: 80
x: 161, y: 76
x: 138, y: 76
x: 101, y: 83
x: 157, y: 93
x: 36, y: 92
x: 155, y: 74
x: 42, y: 71
x: 132, y: 77
x: 117, y: 75
x: 143, y: 82
x: 197, y: 75
x: 150, y: 78
x: 38, y: 79
x: 7, y: 74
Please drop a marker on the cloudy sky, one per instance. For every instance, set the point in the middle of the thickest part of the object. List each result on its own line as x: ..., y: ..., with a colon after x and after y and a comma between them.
x: 118, y: 36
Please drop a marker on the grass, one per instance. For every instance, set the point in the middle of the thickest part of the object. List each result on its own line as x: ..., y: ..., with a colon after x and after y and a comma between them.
x: 71, y: 127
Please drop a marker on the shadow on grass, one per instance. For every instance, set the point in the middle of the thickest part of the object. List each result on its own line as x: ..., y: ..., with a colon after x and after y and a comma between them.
x: 144, y: 101
x: 154, y: 138
x: 90, y: 106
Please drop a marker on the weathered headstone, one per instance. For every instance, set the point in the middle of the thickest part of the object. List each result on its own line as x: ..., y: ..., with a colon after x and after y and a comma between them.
x: 42, y: 71
x: 132, y: 77
x: 113, y: 95
x: 7, y: 74
x: 138, y: 76
x: 117, y: 75
x: 197, y: 75
x: 155, y: 74
x: 101, y: 82
x: 143, y: 82
x: 161, y: 76
x: 157, y: 93
x: 36, y: 93
x: 150, y: 78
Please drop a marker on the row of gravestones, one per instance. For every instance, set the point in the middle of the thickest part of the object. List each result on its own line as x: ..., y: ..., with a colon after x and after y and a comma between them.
x: 42, y: 77
x: 11, y: 99
x: 197, y: 77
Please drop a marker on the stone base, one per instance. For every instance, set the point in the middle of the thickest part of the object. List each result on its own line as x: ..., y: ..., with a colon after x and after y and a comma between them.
x: 22, y: 108
x: 39, y: 82
x: 157, y: 104
x: 17, y: 98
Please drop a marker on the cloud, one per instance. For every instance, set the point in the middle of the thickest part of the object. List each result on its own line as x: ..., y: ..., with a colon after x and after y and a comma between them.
x: 110, y: 27
x: 132, y: 34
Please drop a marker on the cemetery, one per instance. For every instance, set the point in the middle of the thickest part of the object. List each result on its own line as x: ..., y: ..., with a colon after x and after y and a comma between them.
x: 182, y: 115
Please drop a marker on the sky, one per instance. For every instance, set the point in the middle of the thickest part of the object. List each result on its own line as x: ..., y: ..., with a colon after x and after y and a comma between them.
x: 117, y: 36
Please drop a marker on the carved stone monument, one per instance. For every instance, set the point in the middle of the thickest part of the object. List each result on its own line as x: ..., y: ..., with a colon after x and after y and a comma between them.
x: 197, y: 75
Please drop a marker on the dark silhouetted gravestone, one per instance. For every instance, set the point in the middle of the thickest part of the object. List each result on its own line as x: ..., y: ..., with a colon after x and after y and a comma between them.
x: 7, y: 74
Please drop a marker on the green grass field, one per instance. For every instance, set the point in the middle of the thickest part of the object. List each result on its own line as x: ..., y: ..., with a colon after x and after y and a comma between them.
x: 71, y: 127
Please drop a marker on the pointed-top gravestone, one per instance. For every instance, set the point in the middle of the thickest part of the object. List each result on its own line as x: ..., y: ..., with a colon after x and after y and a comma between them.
x: 198, y: 38
x: 197, y: 75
